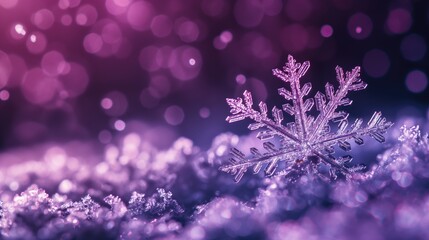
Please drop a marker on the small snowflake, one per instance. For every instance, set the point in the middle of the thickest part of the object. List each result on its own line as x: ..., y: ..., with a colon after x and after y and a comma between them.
x: 307, y: 144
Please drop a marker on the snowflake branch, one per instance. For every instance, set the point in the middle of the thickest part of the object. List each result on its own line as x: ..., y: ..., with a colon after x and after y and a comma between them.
x: 375, y: 128
x: 240, y: 166
x: 292, y: 73
x: 351, y: 82
x: 241, y: 111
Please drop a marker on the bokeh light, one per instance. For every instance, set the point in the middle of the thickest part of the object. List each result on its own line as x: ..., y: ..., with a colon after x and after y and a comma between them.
x: 154, y: 54
x: 8, y: 3
x: 43, y: 19
x: 416, y: 81
x: 115, y: 104
x: 39, y: 88
x: 161, y: 26
x: 186, y: 63
x: 204, y: 112
x: 86, y: 15
x: 174, y: 115
x: 90, y: 73
x: 4, y: 95
x: 140, y: 14
x: 36, y: 42
x: 360, y: 26
x: 54, y: 64
x: 398, y: 21
x: 326, y: 31
x: 119, y: 125
x: 18, y: 31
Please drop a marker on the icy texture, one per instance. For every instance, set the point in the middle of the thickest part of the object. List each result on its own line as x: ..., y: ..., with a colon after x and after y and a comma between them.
x: 159, y: 204
x: 305, y: 145
x: 44, y: 201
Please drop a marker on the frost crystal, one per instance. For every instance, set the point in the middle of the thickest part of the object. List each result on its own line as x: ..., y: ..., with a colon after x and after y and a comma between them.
x: 159, y: 204
x: 87, y: 206
x: 307, y: 144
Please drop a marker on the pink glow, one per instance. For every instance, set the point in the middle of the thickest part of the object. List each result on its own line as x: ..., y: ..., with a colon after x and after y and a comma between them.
x: 111, y: 33
x: 92, y: 43
x: 119, y: 125
x: 139, y: 15
x: 86, y: 15
x: 182, y: 67
x: 360, y: 26
x: 18, y: 31
x: 43, y: 19
x: 64, y: 4
x: 326, y: 31
x: 187, y: 30
x: 106, y: 103
x: 117, y: 7
x: 8, y: 3
x: 161, y: 26
x: 66, y: 20
x: 36, y: 43
x: 53, y: 63
x: 37, y: 87
x: 240, y: 79
x: 119, y: 104
x: 4, y: 95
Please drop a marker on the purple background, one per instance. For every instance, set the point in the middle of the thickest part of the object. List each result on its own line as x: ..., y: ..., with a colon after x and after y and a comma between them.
x: 165, y: 67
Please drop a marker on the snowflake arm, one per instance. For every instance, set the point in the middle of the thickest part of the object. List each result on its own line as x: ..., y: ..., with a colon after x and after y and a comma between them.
x: 292, y: 73
x: 241, y: 111
x: 350, y: 82
x: 308, y: 141
x: 239, y: 164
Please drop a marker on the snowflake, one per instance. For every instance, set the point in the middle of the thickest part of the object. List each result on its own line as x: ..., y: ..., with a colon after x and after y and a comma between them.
x: 307, y: 144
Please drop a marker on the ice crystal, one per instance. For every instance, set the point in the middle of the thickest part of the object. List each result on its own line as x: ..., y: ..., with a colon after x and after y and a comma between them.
x: 118, y: 207
x: 306, y: 144
x: 87, y: 206
x: 160, y: 203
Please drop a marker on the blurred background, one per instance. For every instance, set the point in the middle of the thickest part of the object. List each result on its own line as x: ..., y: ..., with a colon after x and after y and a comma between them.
x: 93, y: 70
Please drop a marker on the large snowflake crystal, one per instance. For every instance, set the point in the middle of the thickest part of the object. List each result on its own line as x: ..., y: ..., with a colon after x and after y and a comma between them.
x: 307, y: 144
